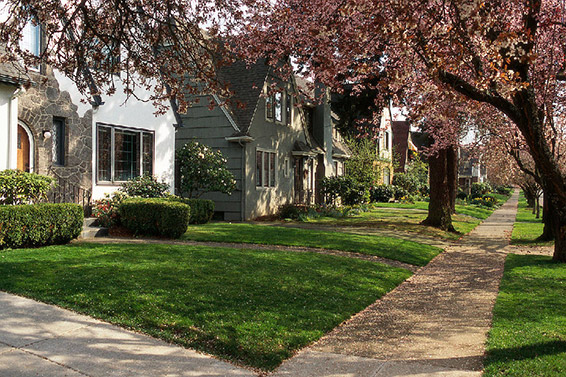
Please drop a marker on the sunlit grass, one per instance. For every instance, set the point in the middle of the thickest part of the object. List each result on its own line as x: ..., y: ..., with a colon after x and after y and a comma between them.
x: 388, y: 247
x: 252, y: 307
x: 527, y: 227
x: 528, y: 337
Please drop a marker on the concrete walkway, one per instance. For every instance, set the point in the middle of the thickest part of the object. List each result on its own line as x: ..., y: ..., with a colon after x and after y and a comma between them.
x: 42, y: 340
x: 434, y: 324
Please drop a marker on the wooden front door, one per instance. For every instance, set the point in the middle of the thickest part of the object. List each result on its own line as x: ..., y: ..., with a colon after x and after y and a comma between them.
x: 23, y: 150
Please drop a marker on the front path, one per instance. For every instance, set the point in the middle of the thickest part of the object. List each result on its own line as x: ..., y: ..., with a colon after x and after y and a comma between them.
x: 434, y: 324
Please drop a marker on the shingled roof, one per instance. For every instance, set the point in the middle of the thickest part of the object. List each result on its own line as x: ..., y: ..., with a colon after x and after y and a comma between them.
x: 246, y: 83
x: 11, y: 72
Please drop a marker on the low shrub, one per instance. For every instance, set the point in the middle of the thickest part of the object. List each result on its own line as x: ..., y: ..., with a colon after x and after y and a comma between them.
x: 503, y: 190
x: 202, y: 210
x: 106, y: 210
x: 32, y: 225
x: 145, y: 186
x: 348, y: 189
x: 382, y: 193
x: 153, y: 216
x: 480, y: 189
x: 291, y: 211
x: 461, y: 194
x: 486, y: 201
x: 399, y: 193
x: 19, y: 187
x: 408, y: 183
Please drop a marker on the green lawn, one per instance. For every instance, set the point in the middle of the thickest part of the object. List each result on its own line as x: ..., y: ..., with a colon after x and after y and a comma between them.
x: 252, y: 307
x: 387, y: 247
x: 406, y: 217
x: 528, y: 337
x: 527, y: 227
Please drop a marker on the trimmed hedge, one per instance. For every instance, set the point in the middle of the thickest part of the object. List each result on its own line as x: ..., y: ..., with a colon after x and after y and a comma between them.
x: 43, y: 224
x: 202, y: 210
x: 153, y: 216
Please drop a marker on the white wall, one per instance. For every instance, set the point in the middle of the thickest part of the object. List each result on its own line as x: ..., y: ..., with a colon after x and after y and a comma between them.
x: 134, y: 114
x: 8, y: 127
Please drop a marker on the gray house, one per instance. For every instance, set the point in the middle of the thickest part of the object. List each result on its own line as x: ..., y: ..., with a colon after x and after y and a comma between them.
x: 277, y: 151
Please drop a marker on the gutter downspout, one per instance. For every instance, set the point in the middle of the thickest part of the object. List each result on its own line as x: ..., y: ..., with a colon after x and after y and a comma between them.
x: 13, y: 97
x: 244, y: 184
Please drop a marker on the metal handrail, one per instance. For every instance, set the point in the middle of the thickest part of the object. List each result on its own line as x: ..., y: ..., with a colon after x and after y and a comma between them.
x: 67, y: 192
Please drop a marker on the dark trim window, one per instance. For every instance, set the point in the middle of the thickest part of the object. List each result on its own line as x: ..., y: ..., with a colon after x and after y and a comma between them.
x: 278, y: 106
x: 277, y: 109
x: 269, y: 107
x: 58, y: 142
x: 123, y: 153
x: 265, y: 169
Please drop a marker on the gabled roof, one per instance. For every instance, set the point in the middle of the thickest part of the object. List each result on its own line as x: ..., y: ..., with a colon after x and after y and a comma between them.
x: 340, y: 149
x: 246, y: 83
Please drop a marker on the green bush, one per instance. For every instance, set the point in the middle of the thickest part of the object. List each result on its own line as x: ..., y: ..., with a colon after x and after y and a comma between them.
x: 31, y: 225
x: 503, y: 190
x: 292, y: 211
x: 382, y: 193
x: 399, y: 193
x: 203, y: 170
x: 202, y: 210
x: 155, y: 216
x: 351, y: 191
x: 408, y: 183
x: 485, y: 200
x: 145, y: 186
x: 19, y: 187
x: 480, y: 189
x: 461, y: 194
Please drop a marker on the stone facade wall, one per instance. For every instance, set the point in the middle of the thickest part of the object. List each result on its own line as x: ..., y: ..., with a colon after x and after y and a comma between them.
x: 44, y: 101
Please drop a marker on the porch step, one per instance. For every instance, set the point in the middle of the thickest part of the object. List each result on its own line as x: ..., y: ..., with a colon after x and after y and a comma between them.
x: 90, y: 230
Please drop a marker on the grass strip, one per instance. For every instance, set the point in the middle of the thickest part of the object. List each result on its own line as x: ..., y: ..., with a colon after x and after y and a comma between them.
x: 251, y: 307
x: 387, y: 247
x: 527, y: 227
x: 528, y: 337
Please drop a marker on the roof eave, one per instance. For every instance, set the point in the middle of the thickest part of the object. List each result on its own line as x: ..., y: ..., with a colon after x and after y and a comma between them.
x: 239, y: 139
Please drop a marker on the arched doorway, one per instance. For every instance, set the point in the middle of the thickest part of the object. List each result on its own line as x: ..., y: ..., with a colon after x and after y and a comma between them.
x: 25, y: 148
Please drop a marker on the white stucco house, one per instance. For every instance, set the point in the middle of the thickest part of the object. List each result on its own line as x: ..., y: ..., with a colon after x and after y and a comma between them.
x: 90, y: 143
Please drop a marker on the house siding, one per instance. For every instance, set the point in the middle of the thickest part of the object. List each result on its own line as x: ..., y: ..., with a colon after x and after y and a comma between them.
x: 271, y: 136
x: 211, y: 127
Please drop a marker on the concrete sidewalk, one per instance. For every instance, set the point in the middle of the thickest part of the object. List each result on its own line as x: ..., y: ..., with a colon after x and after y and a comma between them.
x: 42, y: 340
x: 434, y: 324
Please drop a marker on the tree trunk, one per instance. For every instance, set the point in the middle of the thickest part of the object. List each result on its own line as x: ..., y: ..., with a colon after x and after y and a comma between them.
x: 548, y: 216
x: 439, y: 208
x: 452, y: 176
x: 557, y: 216
x: 560, y: 238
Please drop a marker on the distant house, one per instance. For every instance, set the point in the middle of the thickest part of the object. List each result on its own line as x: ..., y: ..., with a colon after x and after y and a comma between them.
x: 470, y: 170
x: 404, y: 144
x: 90, y: 144
x: 277, y: 149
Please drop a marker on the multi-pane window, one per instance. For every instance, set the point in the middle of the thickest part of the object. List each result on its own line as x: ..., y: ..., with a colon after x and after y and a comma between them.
x: 269, y: 107
x: 31, y: 40
x: 278, y: 106
x: 265, y: 169
x: 58, y: 142
x: 123, y: 154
